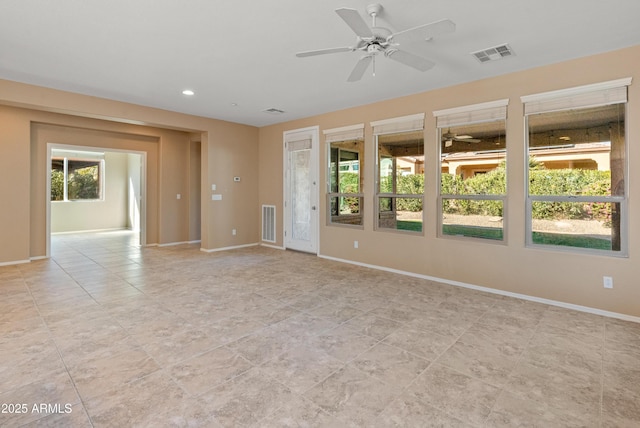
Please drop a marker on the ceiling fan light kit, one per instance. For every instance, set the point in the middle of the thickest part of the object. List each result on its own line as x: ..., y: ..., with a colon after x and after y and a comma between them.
x: 375, y: 40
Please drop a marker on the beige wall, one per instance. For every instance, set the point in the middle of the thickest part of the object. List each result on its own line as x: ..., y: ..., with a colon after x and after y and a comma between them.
x: 556, y: 275
x: 14, y: 186
x: 228, y: 149
x: 61, y: 129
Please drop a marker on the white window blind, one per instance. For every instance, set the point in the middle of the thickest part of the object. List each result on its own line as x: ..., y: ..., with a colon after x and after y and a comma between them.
x: 345, y: 133
x: 414, y: 122
x: 294, y: 146
x: 475, y: 113
x: 599, y: 94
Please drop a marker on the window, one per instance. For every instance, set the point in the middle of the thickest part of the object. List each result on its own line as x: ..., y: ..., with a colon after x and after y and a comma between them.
x: 400, y: 173
x: 344, y: 176
x: 473, y: 170
x: 76, y: 176
x: 577, y: 168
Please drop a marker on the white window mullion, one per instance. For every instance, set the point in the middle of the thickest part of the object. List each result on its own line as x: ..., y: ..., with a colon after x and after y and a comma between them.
x: 65, y: 181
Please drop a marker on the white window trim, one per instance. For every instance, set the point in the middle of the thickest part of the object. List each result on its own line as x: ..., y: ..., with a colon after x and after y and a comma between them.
x: 66, y: 156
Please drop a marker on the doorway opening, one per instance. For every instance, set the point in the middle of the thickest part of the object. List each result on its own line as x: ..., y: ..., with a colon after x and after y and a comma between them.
x: 92, y: 189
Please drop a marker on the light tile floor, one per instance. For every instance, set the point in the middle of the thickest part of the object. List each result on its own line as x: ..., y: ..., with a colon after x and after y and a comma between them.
x: 109, y: 334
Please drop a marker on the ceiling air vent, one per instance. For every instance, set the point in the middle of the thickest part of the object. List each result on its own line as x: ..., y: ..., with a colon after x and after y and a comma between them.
x: 273, y: 111
x: 494, y: 53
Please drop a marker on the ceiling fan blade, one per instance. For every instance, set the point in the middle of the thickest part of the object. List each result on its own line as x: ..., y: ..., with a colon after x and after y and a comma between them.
x: 411, y: 60
x: 323, y: 52
x: 424, y: 32
x: 360, y: 68
x: 355, y: 21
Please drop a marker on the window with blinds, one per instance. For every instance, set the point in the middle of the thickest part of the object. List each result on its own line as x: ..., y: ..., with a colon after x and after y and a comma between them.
x: 472, y: 180
x: 400, y: 173
x: 345, y: 152
x: 577, y: 174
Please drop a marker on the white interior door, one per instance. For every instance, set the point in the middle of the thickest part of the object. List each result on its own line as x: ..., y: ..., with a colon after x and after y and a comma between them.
x: 301, y: 190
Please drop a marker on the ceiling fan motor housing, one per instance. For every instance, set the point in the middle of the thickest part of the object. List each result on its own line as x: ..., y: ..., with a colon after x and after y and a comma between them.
x: 374, y: 9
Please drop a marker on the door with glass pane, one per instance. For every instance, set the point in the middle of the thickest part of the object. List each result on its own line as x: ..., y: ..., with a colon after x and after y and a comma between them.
x: 301, y: 190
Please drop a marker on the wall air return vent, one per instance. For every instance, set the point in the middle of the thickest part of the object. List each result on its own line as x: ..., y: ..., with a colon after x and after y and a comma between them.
x: 494, y: 53
x: 273, y: 111
x: 269, y: 223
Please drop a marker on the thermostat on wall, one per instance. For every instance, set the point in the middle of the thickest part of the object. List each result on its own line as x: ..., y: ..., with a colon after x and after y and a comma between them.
x: 236, y: 179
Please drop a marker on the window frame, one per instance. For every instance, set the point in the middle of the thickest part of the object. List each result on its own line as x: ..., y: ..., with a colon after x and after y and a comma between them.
x: 487, y: 112
x: 98, y: 158
x: 398, y: 125
x: 558, y: 101
x: 337, y: 135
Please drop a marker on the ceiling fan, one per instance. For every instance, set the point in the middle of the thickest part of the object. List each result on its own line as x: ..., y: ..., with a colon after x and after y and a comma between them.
x: 378, y: 40
x: 449, y: 137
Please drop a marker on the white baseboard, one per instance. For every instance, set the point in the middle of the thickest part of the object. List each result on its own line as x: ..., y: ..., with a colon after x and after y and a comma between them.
x: 235, y: 247
x: 493, y: 291
x: 275, y: 247
x: 171, y: 244
x: 15, y: 262
x: 74, y: 232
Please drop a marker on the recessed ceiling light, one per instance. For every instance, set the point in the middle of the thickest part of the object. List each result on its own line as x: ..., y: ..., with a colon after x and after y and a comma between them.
x: 188, y: 92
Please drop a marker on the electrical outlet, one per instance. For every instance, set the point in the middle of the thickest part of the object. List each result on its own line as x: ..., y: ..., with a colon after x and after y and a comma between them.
x: 607, y: 281
x: 233, y: 232
x: 355, y: 244
x: 178, y: 196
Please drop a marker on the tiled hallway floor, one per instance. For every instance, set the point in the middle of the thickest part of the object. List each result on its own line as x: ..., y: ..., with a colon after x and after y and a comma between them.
x: 109, y: 334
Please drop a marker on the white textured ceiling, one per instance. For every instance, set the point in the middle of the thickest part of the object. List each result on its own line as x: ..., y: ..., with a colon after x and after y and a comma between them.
x: 243, y: 52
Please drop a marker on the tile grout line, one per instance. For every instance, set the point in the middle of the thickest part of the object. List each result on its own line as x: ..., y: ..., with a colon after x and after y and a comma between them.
x: 55, y: 344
